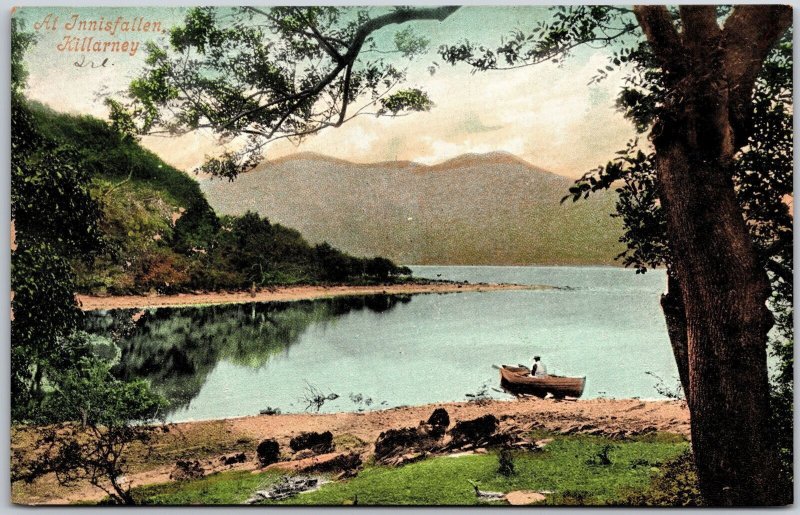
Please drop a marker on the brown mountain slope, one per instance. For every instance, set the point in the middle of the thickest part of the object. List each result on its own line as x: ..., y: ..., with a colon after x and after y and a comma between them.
x: 473, y: 209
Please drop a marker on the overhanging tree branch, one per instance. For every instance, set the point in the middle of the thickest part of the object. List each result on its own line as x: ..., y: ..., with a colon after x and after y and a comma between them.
x: 657, y: 25
x: 749, y: 34
x: 289, y: 74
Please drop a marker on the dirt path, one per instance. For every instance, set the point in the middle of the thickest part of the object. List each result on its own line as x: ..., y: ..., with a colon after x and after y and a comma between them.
x: 615, y: 418
x: 285, y: 293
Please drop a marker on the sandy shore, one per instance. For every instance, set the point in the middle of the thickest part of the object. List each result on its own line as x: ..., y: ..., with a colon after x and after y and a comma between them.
x: 207, y: 440
x: 611, y: 417
x: 285, y: 293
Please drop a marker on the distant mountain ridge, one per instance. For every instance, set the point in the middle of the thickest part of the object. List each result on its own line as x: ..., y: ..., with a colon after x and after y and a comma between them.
x: 474, y: 209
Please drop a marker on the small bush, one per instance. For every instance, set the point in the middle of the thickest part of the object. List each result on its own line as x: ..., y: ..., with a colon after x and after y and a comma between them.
x: 506, y: 467
x: 601, y: 458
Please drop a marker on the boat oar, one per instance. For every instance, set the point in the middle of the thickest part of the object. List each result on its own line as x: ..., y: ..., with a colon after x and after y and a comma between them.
x: 496, y: 367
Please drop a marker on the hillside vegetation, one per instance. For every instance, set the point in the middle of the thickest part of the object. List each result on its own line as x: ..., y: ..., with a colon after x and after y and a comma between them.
x: 161, y: 235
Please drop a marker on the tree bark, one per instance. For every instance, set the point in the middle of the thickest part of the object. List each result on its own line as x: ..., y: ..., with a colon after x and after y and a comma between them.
x: 723, y: 288
x: 675, y: 316
x: 724, y: 294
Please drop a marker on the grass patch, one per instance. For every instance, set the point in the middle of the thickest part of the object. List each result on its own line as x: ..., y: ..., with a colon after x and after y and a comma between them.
x: 347, y: 442
x: 562, y: 467
x: 222, y: 488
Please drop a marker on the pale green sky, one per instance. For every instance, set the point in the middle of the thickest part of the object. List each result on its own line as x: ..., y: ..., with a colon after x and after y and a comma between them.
x: 545, y: 114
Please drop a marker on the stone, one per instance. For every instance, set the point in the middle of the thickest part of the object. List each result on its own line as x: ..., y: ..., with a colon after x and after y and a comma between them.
x: 233, y: 459
x: 486, y: 496
x: 305, y: 453
x: 320, y: 443
x: 439, y: 418
x: 523, y: 497
x: 331, y: 462
x: 186, y: 470
x: 411, y: 457
x: 283, y: 489
x: 395, y: 442
x: 476, y: 432
x: 341, y: 462
x: 268, y: 452
x: 436, y: 425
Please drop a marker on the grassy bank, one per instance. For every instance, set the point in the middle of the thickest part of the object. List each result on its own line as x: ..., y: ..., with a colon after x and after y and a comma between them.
x: 577, y: 469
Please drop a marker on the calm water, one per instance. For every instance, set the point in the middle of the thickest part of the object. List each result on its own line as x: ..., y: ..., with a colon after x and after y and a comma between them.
x: 226, y: 361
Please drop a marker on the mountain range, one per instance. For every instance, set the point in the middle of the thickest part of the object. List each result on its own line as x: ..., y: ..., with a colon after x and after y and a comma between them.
x: 475, y: 209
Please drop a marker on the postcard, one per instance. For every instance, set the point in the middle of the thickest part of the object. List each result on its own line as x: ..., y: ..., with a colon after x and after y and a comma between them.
x: 402, y: 255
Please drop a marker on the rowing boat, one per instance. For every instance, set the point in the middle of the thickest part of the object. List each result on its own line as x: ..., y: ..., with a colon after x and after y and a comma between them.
x: 518, y: 381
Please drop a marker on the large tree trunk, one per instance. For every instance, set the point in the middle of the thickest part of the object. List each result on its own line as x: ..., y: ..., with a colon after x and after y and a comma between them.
x: 723, y: 288
x: 675, y: 316
x: 724, y: 293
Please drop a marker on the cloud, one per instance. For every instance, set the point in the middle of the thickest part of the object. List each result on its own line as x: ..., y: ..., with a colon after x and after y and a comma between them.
x: 472, y: 124
x: 440, y: 150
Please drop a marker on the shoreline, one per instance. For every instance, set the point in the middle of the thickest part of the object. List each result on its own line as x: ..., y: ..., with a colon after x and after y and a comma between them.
x: 208, y: 440
x: 287, y: 294
x: 601, y: 416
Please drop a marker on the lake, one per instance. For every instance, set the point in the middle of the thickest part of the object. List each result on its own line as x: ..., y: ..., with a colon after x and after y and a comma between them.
x: 386, y: 351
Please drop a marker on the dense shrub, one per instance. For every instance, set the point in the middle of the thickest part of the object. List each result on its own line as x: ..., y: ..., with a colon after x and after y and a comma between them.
x: 674, y: 486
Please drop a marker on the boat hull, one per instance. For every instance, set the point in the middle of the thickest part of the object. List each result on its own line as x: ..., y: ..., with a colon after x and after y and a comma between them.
x: 517, y: 381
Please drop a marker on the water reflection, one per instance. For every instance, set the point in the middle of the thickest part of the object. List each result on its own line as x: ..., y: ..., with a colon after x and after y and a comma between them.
x: 177, y: 348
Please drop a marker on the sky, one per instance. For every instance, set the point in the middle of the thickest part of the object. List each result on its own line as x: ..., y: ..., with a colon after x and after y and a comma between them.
x: 546, y: 114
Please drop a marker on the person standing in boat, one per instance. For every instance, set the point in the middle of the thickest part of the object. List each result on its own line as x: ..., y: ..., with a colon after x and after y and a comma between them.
x: 538, y: 369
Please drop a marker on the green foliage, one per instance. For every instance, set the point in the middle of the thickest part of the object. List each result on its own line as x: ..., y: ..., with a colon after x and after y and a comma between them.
x: 256, y: 252
x: 20, y: 41
x: 55, y: 220
x: 549, y: 40
x: 88, y: 393
x: 405, y: 100
x: 104, y: 417
x: 410, y: 44
x: 50, y: 198
x: 106, y: 154
x: 136, y: 199
x: 269, y: 73
x: 137, y: 224
x: 45, y: 319
x: 54, y: 379
x: 195, y: 230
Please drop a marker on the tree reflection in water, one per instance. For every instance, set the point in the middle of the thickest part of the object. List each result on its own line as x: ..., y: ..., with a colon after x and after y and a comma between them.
x: 177, y: 348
